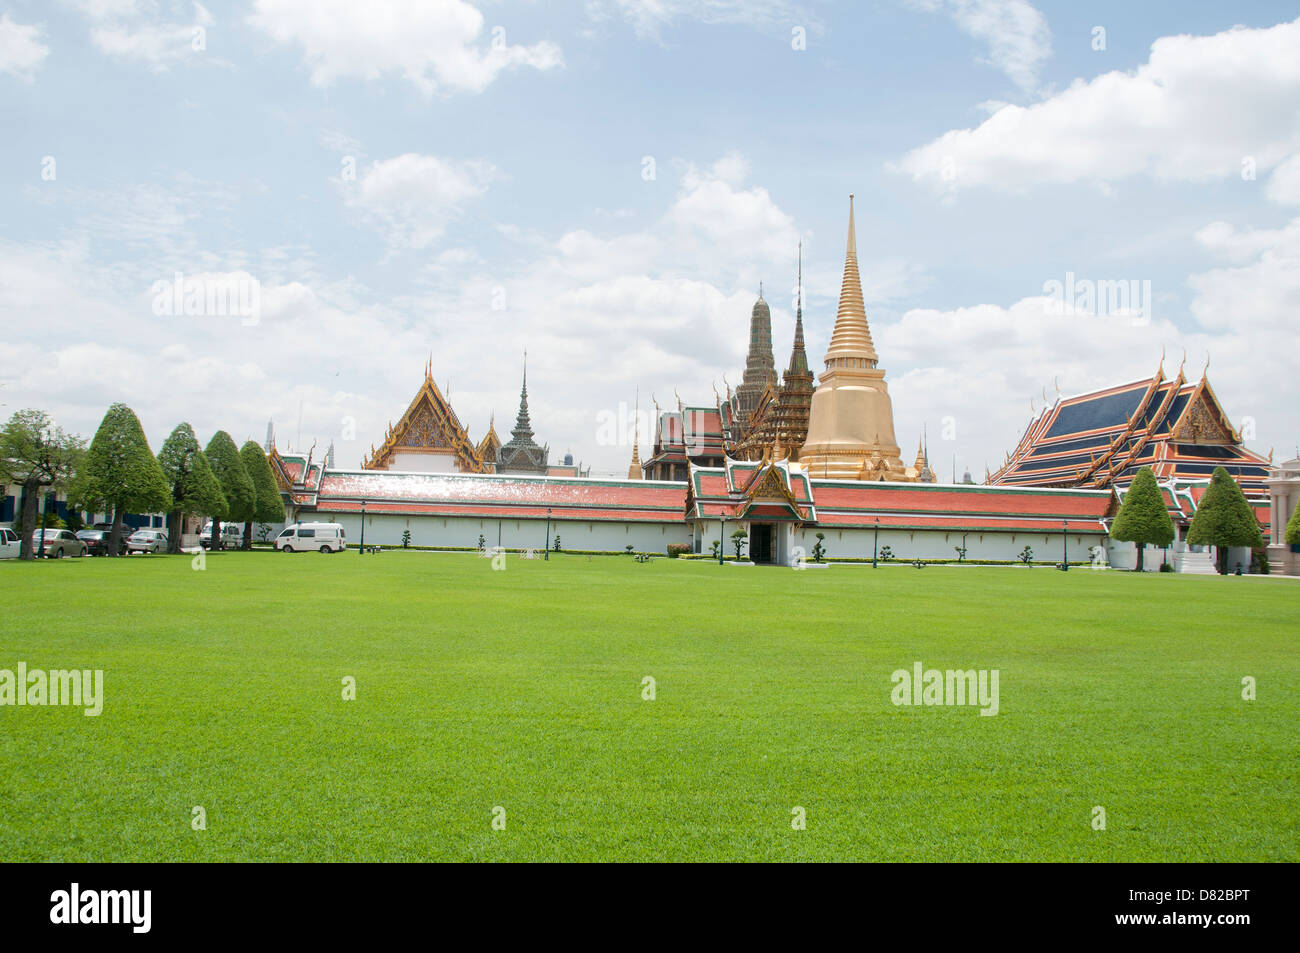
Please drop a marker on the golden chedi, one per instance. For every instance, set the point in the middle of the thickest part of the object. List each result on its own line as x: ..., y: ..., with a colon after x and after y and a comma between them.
x: 851, y: 420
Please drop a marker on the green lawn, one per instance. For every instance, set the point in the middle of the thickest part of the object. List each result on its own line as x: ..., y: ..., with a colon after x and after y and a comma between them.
x: 523, y: 689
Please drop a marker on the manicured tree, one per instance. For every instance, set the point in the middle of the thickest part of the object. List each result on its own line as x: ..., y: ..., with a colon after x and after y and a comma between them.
x: 738, y: 540
x: 269, y: 505
x: 194, y: 486
x: 39, y: 457
x: 1143, y: 518
x: 1292, y: 532
x: 1224, y: 518
x: 236, y: 486
x: 119, y: 473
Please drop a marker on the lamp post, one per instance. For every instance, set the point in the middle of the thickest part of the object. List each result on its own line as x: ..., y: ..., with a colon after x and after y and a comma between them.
x: 1065, y: 553
x: 546, y: 557
x: 722, y: 535
x: 963, y: 547
x: 44, y: 505
x: 875, y: 541
x: 362, y: 548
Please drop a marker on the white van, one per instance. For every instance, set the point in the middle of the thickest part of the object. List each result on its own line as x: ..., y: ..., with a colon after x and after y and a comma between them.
x: 230, y: 536
x: 10, y: 544
x: 301, y: 537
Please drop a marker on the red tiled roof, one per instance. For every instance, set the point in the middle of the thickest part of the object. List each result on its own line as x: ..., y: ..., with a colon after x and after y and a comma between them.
x: 499, y: 511
x: 968, y: 499
x: 493, y: 495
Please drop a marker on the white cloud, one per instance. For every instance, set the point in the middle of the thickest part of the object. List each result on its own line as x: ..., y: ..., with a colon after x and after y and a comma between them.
x: 1015, y: 32
x: 433, y: 44
x: 1284, y: 184
x: 122, y: 33
x: 412, y: 197
x: 21, y: 49
x: 1193, y: 112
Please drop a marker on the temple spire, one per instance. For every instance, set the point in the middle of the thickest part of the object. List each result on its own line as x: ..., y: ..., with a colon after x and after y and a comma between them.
x: 798, y: 356
x: 634, y: 468
x: 523, y: 426
x: 851, y: 339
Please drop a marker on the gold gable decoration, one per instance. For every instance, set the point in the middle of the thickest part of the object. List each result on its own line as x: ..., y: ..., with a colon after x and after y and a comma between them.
x: 1203, y: 421
x: 429, y: 423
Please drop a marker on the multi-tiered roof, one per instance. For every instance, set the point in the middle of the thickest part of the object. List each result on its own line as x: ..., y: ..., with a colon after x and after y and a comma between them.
x: 1175, y: 426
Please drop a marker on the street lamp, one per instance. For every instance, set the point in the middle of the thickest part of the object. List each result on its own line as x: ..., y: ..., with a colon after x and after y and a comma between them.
x: 45, y: 502
x: 362, y: 548
x: 722, y: 535
x: 1065, y: 554
x: 547, y: 556
x: 875, y: 541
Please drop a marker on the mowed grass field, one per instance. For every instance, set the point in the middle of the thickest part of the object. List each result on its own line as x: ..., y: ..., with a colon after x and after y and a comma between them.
x: 522, y: 690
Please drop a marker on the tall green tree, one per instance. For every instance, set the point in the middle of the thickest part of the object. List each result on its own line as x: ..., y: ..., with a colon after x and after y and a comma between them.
x: 38, y: 456
x: 236, y: 486
x: 269, y: 505
x: 1292, y: 533
x: 119, y: 472
x: 1224, y: 518
x: 1143, y: 518
x: 194, y: 486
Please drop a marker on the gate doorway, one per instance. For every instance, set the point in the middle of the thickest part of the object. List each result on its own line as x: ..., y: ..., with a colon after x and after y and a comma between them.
x: 760, y: 542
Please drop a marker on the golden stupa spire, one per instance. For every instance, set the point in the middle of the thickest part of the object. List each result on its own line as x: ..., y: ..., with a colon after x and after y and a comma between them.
x: 851, y: 340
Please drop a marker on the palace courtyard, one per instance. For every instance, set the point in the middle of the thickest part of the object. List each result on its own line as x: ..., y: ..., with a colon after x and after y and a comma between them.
x: 521, y: 697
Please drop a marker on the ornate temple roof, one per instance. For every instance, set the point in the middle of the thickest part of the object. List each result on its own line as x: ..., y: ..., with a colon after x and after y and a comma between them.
x: 429, y: 425
x: 1102, y: 438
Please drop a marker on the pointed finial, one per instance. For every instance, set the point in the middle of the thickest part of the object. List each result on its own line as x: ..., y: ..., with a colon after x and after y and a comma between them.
x: 760, y: 289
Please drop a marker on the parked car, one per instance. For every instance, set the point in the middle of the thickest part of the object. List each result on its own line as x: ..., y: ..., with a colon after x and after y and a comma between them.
x: 231, y: 536
x: 147, y: 541
x: 301, y: 537
x: 97, y: 540
x: 58, y: 543
x: 11, y: 544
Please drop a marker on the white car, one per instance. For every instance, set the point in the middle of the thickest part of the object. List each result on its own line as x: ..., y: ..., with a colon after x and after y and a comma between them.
x: 147, y: 541
x: 302, y: 537
x: 10, y: 544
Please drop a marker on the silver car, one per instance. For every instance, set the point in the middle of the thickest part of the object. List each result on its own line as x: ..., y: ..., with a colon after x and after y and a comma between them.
x: 58, y: 543
x: 147, y: 541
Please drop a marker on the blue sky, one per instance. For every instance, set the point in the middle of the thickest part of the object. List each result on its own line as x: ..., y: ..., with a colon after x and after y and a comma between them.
x: 501, y: 201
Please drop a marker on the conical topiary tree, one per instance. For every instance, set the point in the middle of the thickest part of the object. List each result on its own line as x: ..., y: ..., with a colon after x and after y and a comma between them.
x: 268, y: 505
x: 236, y: 486
x: 1292, y: 532
x: 1224, y: 518
x: 1143, y: 518
x: 194, y: 486
x: 119, y: 473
